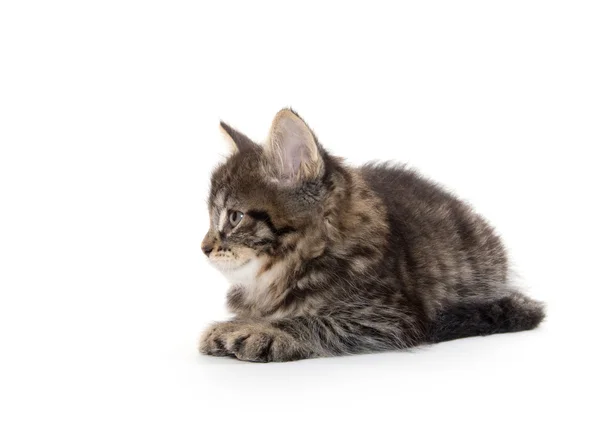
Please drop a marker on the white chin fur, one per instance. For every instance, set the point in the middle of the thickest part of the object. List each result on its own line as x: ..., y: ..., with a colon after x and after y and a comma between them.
x: 242, y: 275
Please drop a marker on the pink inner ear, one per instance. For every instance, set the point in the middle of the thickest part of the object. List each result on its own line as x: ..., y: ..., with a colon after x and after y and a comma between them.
x: 293, y: 142
x: 294, y: 154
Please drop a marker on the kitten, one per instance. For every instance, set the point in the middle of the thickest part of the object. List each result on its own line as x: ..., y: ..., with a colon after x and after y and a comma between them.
x: 325, y: 259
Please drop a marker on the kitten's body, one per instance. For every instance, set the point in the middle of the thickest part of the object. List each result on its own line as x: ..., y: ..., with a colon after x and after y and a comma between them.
x: 337, y: 260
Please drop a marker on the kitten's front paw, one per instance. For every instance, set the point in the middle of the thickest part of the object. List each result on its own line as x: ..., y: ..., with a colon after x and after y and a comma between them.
x: 251, y: 342
x: 212, y: 341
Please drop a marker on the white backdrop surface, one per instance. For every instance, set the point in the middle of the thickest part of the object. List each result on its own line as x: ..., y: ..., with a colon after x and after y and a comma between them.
x: 108, y: 133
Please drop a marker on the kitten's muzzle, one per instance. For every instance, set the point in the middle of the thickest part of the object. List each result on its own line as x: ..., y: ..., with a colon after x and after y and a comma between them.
x: 208, y: 244
x: 207, y: 249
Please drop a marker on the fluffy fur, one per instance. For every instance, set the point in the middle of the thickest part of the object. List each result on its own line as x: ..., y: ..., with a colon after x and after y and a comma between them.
x: 331, y: 260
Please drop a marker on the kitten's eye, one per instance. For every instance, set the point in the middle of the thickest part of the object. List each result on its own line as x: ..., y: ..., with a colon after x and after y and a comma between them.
x: 235, y: 217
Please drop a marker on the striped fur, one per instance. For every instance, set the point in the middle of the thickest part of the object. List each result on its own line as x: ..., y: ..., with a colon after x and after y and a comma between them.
x: 332, y: 260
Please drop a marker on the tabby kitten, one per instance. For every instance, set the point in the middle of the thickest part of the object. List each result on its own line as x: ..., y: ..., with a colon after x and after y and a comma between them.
x: 325, y: 259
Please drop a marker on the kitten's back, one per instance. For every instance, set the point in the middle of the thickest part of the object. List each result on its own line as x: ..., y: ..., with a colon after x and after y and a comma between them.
x: 440, y: 247
x: 449, y: 258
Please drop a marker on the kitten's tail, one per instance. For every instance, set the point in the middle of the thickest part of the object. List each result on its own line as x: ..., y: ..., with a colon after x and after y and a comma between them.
x: 511, y: 313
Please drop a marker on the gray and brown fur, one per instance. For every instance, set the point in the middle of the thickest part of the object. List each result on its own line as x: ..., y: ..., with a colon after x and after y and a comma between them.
x: 332, y: 260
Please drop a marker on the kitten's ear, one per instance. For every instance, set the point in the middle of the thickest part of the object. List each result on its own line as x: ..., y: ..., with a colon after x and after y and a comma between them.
x: 292, y: 149
x: 238, y: 142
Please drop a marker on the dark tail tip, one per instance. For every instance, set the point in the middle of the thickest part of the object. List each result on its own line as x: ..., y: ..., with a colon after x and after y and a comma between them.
x: 512, y: 313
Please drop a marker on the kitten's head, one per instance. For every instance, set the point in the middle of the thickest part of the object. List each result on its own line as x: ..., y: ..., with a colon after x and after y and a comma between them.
x: 263, y: 196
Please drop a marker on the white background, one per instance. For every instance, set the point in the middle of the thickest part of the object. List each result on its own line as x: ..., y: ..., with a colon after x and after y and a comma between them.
x: 108, y: 133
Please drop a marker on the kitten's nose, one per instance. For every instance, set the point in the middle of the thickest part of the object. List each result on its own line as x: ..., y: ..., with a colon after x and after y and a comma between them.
x: 207, y: 249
